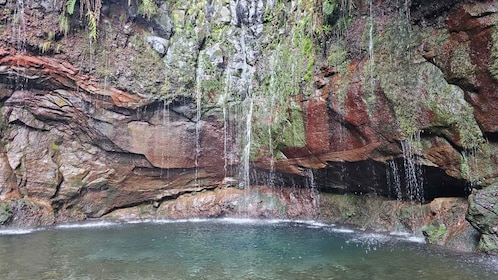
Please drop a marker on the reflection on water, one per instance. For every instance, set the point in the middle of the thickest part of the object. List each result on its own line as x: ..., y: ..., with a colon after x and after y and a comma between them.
x: 228, y: 249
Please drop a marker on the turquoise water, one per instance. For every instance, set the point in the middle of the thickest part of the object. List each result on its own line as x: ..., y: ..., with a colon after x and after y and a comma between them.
x: 228, y: 249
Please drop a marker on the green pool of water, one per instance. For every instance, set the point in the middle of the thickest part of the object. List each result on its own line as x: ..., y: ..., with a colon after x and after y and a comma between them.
x: 228, y: 249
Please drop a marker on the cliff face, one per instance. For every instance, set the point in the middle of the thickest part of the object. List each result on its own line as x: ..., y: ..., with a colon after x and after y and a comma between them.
x: 163, y: 111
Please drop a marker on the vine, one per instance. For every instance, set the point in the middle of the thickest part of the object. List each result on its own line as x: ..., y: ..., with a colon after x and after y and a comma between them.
x: 91, y: 10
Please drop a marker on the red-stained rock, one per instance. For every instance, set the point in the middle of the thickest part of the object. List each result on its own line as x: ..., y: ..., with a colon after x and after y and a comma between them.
x: 471, y: 26
x: 51, y: 73
x: 317, y: 126
x: 76, y: 152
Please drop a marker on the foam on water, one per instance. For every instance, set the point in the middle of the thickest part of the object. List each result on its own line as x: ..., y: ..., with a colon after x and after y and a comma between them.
x: 341, y: 230
x: 400, y: 233
x: 248, y: 221
x: 96, y: 224
x: 406, y: 236
x: 414, y: 239
x: 171, y: 221
x: 16, y: 231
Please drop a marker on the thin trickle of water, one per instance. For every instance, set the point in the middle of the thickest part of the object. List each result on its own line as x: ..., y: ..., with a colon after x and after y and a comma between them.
x: 370, y: 33
x: 271, y: 178
x: 248, y: 108
x: 371, y: 46
x: 198, y: 115
x: 226, y: 121
x: 315, y: 195
x: 468, y: 165
x: 394, y: 179
x: 342, y: 136
x: 413, y: 170
x: 19, y: 29
x: 375, y: 184
x: 164, y: 115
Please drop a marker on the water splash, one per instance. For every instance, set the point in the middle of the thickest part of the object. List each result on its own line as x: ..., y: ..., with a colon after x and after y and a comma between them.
x: 412, y: 168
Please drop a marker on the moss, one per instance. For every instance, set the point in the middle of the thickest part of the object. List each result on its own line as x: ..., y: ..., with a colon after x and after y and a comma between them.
x: 488, y: 243
x: 493, y: 68
x: 146, y: 58
x: 293, y: 134
x: 435, y: 233
x: 209, y: 79
x: 5, y: 212
x: 339, y: 61
x: 450, y: 108
x: 336, y: 15
x: 148, y: 8
x: 461, y: 65
x: 278, y: 116
x: 420, y: 87
x: 4, y: 127
x: 399, y: 88
x: 54, y: 146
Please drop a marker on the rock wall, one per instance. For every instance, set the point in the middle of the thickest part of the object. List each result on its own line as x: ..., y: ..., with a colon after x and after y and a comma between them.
x: 176, y: 107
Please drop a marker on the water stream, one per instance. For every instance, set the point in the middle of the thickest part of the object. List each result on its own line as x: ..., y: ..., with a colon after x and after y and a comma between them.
x: 229, y: 249
x: 412, y: 168
x: 394, y: 180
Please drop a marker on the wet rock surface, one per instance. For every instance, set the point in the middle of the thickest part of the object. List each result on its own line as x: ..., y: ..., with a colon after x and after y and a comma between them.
x: 483, y: 215
x: 153, y: 114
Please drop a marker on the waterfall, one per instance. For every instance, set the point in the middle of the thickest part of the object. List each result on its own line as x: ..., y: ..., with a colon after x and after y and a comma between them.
x: 247, y: 109
x: 393, y: 179
x: 412, y: 168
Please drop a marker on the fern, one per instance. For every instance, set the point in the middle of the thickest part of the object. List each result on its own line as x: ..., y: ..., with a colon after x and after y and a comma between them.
x: 92, y: 25
x: 70, y: 6
x: 148, y: 8
x: 64, y: 24
x: 51, y: 35
x: 45, y: 46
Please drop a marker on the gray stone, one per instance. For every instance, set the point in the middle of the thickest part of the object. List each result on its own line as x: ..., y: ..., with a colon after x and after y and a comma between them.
x: 159, y: 44
x: 224, y: 15
x: 163, y: 25
x: 215, y: 55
